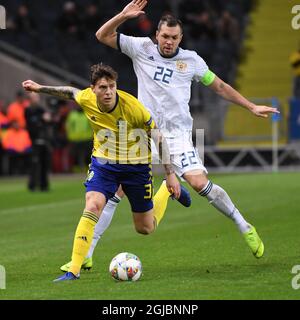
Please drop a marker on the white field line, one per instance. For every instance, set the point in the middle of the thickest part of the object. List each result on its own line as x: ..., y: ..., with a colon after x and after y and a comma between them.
x: 52, y: 205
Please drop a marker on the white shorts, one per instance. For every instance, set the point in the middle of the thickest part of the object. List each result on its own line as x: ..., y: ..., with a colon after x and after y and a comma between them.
x: 187, y: 161
x: 184, y: 156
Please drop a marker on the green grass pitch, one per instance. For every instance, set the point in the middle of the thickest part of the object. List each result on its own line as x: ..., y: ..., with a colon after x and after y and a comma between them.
x: 196, y: 253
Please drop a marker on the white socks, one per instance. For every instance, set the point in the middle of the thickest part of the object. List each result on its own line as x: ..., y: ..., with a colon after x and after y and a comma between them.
x: 220, y: 200
x: 104, y: 222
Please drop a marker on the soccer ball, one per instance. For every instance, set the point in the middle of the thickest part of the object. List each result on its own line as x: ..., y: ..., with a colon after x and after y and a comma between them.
x: 125, y: 266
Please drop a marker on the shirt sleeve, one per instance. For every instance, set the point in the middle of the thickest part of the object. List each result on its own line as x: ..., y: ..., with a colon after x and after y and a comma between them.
x: 148, y: 121
x: 129, y: 45
x: 149, y: 124
x: 78, y: 97
x: 202, y: 72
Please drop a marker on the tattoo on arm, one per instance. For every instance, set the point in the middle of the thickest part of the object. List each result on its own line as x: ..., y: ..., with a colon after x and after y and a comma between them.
x: 61, y: 92
x: 222, y: 85
x: 168, y: 169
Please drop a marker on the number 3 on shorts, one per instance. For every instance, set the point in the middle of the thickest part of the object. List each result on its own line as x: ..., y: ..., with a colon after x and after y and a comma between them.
x: 149, y: 191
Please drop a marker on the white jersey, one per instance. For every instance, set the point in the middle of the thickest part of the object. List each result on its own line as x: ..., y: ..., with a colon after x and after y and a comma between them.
x: 164, y: 84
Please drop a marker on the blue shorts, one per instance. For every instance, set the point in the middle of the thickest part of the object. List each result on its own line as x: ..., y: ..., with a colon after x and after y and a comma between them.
x: 135, y: 179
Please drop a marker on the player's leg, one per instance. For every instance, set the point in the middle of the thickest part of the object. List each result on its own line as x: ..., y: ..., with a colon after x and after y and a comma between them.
x: 189, y: 166
x: 185, y: 197
x: 147, y: 210
x: 147, y: 214
x: 216, y: 197
x: 105, y: 220
x: 219, y: 198
x: 102, y: 224
x: 160, y: 202
x: 95, y: 202
x: 138, y: 188
x: 144, y: 222
x: 101, y: 185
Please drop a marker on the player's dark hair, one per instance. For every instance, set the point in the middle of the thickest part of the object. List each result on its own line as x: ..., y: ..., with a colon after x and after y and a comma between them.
x: 101, y: 70
x: 170, y: 21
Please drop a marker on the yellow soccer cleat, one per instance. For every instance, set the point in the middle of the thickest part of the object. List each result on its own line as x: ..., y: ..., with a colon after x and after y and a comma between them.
x: 254, y: 242
x: 87, y: 265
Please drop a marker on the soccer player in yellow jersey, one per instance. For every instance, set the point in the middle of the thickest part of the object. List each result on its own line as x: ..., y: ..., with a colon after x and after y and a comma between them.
x: 117, y: 118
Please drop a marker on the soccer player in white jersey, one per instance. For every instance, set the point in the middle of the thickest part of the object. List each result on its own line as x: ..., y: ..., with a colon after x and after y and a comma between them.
x: 165, y: 73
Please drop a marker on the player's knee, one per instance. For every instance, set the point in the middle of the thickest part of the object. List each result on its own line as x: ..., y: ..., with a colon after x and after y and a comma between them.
x: 198, y: 184
x: 93, y: 206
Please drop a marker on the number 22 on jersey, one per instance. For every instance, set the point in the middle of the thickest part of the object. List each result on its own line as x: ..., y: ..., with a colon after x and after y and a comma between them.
x: 163, y: 74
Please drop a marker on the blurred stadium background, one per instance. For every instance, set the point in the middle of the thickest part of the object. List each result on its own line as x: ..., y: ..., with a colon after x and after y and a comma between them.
x: 248, y: 43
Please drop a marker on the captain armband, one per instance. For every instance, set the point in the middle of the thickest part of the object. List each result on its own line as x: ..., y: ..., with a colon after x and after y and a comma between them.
x: 208, y: 78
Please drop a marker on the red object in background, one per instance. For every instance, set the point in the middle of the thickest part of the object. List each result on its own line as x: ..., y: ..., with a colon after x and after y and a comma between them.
x: 15, y: 112
x: 61, y: 160
x: 16, y: 140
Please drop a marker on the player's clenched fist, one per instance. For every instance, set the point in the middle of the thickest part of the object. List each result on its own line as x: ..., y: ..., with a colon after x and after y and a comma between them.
x: 30, y: 85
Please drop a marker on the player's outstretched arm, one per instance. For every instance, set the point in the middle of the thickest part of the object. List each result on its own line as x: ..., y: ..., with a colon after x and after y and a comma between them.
x: 64, y: 92
x: 227, y: 92
x: 107, y: 34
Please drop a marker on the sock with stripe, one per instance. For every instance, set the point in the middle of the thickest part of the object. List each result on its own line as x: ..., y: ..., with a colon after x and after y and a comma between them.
x: 104, y: 222
x: 160, y: 201
x: 221, y: 201
x: 82, y: 240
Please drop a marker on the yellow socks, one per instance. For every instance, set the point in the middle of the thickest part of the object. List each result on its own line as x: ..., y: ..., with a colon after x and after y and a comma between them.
x: 160, y: 201
x: 82, y: 240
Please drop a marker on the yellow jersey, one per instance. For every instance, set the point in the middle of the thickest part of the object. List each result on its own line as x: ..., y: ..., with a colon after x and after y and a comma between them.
x: 120, y: 135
